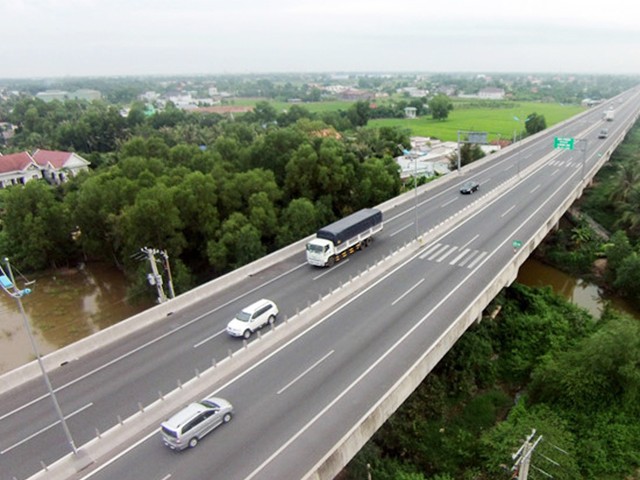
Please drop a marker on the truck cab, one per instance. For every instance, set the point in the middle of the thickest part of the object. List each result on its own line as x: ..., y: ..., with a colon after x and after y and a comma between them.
x: 319, y: 251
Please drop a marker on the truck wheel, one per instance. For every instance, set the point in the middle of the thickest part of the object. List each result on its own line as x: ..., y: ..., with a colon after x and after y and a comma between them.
x: 246, y: 334
x: 331, y: 262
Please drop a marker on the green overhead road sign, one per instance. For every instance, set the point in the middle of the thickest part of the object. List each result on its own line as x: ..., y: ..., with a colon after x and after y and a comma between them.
x: 563, y: 142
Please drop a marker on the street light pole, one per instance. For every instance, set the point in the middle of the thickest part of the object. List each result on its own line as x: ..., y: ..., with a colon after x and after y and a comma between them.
x: 17, y: 294
x: 406, y: 153
x: 415, y: 192
x: 584, y: 155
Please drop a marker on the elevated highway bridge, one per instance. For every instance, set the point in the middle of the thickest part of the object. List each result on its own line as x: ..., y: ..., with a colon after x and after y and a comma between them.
x: 351, y: 344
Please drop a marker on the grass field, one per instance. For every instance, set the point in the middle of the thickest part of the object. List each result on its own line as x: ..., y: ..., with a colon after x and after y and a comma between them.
x: 497, y: 122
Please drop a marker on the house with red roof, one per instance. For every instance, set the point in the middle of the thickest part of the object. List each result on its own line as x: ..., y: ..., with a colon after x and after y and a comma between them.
x: 58, y: 166
x: 18, y: 169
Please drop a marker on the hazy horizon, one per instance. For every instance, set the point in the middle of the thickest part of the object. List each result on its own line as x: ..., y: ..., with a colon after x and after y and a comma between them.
x: 96, y: 38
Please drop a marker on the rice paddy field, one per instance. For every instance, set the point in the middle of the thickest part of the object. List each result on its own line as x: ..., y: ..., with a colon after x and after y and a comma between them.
x: 499, y: 123
x: 499, y: 119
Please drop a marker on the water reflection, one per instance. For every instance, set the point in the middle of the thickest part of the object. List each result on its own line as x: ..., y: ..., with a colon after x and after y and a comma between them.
x: 63, y: 308
x: 584, y: 294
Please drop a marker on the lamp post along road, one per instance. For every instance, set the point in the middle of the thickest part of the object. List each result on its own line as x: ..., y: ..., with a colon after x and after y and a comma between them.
x: 7, y: 284
x: 407, y: 153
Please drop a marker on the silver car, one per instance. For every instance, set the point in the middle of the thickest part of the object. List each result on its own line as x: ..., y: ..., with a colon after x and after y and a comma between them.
x: 189, y: 425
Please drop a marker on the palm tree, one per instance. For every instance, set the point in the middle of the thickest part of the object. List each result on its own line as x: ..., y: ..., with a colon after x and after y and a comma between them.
x: 626, y: 179
x: 630, y: 212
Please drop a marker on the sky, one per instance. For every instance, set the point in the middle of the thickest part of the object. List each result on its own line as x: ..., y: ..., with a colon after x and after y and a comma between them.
x: 70, y: 38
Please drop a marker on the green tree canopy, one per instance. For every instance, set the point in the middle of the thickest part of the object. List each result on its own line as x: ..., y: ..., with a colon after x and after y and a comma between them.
x: 440, y: 106
x: 37, y: 227
x: 535, y: 123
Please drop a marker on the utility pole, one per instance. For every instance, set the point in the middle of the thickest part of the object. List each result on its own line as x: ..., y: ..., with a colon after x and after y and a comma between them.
x: 167, y: 268
x: 155, y: 278
x: 523, y: 457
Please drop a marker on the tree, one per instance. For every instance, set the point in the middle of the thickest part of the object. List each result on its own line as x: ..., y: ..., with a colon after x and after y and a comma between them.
x: 440, y: 106
x: 628, y: 277
x: 359, y: 113
x: 617, y: 249
x: 499, y: 443
x: 535, y: 123
x: 238, y: 245
x: 264, y: 113
x: 36, y: 231
x: 378, y: 180
x: 600, y: 373
x: 153, y: 220
x: 469, y: 153
x: 297, y: 221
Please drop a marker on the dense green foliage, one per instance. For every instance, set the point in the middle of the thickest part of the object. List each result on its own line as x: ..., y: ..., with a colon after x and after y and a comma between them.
x: 440, y: 106
x: 214, y: 193
x: 574, y: 380
x: 535, y: 123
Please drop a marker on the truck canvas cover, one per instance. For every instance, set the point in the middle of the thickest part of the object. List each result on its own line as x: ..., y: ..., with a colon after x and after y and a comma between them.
x: 351, y: 226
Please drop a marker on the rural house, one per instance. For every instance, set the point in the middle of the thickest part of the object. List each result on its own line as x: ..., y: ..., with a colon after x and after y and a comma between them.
x: 58, y: 166
x: 17, y: 169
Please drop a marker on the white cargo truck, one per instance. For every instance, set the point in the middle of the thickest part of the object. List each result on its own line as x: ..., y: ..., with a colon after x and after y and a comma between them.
x: 609, y: 114
x: 334, y: 242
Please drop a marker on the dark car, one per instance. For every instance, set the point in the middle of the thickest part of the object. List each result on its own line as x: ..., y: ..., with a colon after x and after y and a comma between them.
x: 470, y: 187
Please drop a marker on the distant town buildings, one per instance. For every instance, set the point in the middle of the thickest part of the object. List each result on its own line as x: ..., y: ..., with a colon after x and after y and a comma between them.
x: 62, y: 95
x: 491, y: 93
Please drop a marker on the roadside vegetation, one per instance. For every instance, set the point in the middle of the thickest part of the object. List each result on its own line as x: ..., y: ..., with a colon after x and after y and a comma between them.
x: 541, y: 364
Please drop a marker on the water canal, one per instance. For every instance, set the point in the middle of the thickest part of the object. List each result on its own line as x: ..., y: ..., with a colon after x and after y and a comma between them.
x: 62, y: 308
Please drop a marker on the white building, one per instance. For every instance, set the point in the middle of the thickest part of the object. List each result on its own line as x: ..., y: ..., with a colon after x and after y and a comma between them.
x: 491, y: 93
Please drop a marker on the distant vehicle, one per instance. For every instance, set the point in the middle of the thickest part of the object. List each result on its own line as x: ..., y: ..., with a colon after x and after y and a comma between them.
x: 604, y: 133
x: 341, y: 238
x: 251, y: 318
x: 187, y: 427
x: 470, y: 187
x: 609, y: 115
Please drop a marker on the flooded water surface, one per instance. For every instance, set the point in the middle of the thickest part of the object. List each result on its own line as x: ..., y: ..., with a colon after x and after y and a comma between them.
x: 62, y: 308
x: 584, y: 294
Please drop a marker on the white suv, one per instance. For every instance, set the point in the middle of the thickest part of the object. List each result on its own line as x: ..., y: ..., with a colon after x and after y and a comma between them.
x: 253, y: 317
